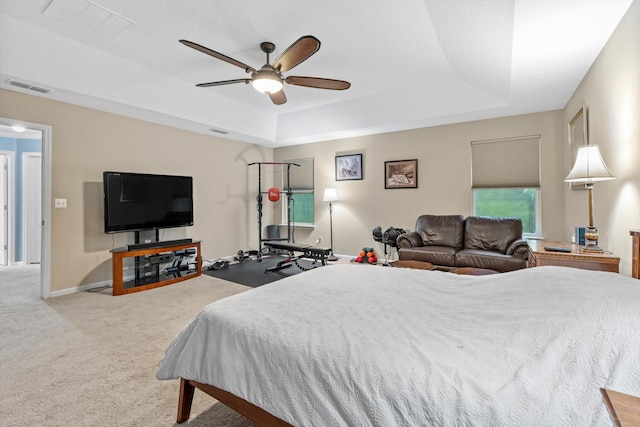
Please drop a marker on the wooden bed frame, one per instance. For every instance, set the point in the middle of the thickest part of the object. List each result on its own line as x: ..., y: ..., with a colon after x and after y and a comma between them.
x: 249, y: 410
x: 621, y: 407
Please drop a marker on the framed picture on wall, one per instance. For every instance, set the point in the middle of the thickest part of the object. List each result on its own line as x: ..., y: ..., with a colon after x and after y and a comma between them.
x: 577, y: 138
x: 349, y: 167
x: 401, y: 174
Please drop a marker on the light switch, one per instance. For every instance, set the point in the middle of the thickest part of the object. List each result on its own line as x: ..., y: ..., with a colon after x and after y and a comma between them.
x: 60, y: 203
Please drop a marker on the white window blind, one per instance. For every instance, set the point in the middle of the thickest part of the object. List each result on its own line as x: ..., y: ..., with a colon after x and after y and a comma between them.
x: 301, y: 178
x: 506, y: 163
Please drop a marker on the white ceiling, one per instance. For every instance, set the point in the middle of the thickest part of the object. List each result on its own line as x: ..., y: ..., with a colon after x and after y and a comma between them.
x: 411, y: 63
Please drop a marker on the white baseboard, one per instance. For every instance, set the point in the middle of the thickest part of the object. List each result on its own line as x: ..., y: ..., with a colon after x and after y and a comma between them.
x: 105, y: 283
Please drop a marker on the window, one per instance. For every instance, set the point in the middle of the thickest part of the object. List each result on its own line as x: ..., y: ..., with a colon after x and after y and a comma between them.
x: 302, y: 208
x: 302, y: 199
x: 509, y: 202
x: 506, y: 180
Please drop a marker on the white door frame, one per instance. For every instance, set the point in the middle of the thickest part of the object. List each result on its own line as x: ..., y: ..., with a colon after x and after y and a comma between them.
x: 47, y: 141
x: 28, y: 187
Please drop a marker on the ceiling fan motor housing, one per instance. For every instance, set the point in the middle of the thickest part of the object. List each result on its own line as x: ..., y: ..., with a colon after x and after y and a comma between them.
x: 267, y: 47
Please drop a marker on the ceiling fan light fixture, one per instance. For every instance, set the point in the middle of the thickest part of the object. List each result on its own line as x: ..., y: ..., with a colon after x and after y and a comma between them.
x: 266, y: 80
x: 269, y: 79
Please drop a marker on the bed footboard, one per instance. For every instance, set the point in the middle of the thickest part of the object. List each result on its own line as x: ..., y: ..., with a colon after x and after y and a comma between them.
x: 249, y: 410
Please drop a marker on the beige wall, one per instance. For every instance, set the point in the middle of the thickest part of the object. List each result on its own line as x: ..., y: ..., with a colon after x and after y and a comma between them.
x: 611, y: 93
x: 87, y: 142
x: 444, y: 177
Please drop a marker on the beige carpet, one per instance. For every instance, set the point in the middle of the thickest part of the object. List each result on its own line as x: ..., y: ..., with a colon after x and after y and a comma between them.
x: 89, y: 359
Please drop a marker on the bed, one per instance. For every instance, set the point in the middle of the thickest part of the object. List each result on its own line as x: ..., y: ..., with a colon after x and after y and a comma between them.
x: 348, y: 345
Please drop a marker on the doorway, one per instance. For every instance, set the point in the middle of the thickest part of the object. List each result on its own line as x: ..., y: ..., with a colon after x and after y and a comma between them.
x: 24, y: 224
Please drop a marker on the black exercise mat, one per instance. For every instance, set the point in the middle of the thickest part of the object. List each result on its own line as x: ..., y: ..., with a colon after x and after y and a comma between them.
x: 252, y: 272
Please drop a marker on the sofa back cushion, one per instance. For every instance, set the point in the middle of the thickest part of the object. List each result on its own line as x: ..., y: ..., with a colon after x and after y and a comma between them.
x: 491, y: 234
x: 441, y: 230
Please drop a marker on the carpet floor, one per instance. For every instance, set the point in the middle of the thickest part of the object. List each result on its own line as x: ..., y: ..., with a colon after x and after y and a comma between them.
x: 89, y: 358
x: 252, y: 272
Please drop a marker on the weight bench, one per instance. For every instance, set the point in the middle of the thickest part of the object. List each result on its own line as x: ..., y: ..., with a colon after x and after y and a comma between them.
x: 313, y: 252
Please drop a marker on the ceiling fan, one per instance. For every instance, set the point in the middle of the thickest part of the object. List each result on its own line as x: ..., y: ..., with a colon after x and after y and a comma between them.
x: 269, y: 78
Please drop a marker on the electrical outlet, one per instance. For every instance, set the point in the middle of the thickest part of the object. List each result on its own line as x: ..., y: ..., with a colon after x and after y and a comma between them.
x: 60, y: 203
x: 319, y: 239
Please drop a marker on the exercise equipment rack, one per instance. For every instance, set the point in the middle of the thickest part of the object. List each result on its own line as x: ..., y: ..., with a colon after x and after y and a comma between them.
x: 288, y: 194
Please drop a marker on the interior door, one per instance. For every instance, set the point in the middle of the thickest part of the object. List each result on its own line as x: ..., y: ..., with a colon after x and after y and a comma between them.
x: 4, y: 209
x: 33, y: 207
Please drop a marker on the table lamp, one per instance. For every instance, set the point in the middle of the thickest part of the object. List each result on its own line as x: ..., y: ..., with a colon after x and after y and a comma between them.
x: 588, y: 169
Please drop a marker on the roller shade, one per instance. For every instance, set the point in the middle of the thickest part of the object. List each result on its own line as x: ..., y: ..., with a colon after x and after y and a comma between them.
x: 506, y: 163
x: 301, y: 178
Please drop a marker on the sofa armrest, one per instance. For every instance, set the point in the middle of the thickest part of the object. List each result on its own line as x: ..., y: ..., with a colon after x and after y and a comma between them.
x: 409, y: 240
x: 520, y: 249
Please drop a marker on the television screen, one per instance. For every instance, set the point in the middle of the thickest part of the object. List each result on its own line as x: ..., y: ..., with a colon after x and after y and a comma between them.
x: 134, y: 201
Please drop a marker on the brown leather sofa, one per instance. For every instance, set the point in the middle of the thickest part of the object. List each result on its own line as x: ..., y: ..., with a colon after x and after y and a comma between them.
x: 451, y: 241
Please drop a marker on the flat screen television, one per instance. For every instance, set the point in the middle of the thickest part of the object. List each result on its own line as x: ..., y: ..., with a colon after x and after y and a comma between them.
x: 136, y: 201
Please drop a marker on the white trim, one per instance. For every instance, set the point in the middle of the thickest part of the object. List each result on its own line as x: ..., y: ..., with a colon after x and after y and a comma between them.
x: 299, y: 225
x: 82, y: 288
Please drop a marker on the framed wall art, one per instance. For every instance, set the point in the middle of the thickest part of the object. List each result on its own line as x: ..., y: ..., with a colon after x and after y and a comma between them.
x: 349, y: 167
x: 401, y: 174
x: 577, y: 138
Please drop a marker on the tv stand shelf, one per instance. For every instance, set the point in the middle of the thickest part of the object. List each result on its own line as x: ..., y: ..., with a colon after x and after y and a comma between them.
x: 153, y: 267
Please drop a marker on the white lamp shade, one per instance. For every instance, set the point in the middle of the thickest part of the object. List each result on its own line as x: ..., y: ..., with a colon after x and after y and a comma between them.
x: 589, y: 166
x: 330, y: 195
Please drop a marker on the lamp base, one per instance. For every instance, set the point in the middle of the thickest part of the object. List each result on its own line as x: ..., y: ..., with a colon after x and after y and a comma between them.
x: 595, y: 249
x: 332, y: 257
x: 591, y: 237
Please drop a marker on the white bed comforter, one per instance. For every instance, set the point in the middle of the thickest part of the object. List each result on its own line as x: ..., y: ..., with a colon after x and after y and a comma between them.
x: 347, y: 345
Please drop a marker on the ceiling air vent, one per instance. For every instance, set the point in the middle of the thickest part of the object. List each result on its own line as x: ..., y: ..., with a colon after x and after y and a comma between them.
x: 223, y: 132
x: 28, y: 86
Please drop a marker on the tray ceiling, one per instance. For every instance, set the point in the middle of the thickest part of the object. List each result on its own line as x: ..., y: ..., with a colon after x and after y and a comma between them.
x: 411, y: 63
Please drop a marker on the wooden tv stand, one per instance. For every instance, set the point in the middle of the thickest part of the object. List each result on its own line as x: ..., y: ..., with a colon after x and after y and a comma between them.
x: 155, y: 266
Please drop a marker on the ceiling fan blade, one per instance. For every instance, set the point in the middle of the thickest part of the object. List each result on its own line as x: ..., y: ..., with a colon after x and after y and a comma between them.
x: 300, y: 50
x: 278, y: 97
x: 318, y: 82
x: 224, y: 82
x: 218, y: 55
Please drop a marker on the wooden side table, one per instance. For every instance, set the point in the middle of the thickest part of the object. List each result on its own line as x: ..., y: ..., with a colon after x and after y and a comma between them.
x: 587, y: 261
x: 635, y: 254
x: 410, y: 263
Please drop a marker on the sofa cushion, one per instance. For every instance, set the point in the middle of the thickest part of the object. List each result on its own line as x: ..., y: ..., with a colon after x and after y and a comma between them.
x: 441, y: 230
x: 438, y: 255
x: 491, y: 234
x: 488, y: 259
